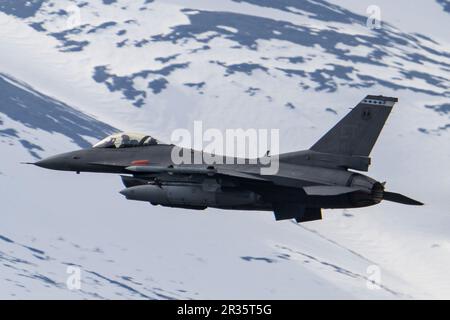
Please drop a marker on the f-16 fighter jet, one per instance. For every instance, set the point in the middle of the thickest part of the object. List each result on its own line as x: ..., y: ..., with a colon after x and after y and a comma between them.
x: 323, y: 177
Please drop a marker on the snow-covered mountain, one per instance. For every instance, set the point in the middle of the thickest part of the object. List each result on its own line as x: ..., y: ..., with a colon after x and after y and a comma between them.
x: 72, y: 72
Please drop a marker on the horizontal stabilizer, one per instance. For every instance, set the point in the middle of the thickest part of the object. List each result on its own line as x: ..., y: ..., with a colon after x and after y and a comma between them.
x: 399, y: 198
x: 329, y: 190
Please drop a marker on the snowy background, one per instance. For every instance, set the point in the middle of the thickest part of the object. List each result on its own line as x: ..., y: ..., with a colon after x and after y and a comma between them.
x: 72, y: 72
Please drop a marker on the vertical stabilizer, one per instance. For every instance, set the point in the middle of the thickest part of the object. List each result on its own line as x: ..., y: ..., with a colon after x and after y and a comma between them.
x: 357, y: 132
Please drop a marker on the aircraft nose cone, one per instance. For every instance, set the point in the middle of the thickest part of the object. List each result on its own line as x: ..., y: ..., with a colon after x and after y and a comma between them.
x: 69, y: 161
x: 49, y: 163
x: 64, y: 161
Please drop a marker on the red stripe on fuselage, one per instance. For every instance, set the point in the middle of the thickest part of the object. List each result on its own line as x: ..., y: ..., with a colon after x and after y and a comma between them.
x: 140, y: 162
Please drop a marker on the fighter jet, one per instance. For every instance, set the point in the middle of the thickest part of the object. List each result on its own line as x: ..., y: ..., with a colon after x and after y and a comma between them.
x: 322, y: 177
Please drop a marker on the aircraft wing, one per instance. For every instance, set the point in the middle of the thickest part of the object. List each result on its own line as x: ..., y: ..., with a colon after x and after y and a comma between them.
x: 210, y: 171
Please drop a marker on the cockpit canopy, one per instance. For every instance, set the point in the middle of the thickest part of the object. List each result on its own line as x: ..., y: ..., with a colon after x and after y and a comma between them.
x: 126, y: 140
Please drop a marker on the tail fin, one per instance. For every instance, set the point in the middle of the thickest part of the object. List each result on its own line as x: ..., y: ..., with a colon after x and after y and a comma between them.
x: 357, y: 132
